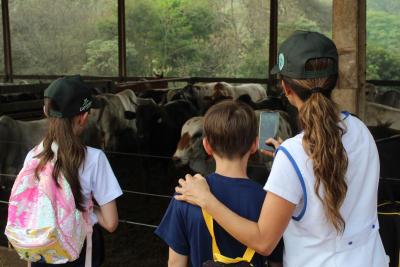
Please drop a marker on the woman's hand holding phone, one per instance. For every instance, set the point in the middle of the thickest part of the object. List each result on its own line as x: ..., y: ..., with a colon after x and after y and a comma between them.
x: 271, y: 142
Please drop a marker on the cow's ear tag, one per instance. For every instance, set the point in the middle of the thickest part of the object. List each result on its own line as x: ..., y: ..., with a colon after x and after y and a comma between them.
x: 159, y: 120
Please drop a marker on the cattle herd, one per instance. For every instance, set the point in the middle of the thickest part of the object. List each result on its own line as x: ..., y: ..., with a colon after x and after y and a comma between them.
x: 165, y: 123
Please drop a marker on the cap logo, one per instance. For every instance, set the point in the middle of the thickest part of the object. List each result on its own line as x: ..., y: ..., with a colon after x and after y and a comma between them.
x: 281, y: 61
x: 86, y: 104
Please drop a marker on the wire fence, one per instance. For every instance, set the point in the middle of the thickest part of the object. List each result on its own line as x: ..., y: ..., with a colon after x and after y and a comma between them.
x: 123, y: 190
x: 120, y: 221
x: 251, y: 164
x: 146, y: 194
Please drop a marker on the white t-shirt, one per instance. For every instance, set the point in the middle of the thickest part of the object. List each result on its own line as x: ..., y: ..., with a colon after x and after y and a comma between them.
x: 310, y: 240
x: 96, y: 178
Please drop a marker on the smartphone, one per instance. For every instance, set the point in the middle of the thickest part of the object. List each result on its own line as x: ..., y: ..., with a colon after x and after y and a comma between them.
x: 268, y: 128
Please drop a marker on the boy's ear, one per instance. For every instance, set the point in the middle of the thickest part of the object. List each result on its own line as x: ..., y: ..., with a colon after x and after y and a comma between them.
x: 207, y: 146
x: 254, y: 146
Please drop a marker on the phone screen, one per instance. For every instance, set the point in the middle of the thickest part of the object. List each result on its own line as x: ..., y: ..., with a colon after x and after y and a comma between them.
x: 268, y: 128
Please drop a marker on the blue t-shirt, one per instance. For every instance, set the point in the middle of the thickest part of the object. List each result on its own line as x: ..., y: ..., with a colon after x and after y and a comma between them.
x: 184, y: 230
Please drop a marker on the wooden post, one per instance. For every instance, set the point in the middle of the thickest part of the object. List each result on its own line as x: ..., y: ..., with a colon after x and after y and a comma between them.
x: 349, y: 35
x: 6, y: 42
x: 121, y: 41
x: 273, y: 40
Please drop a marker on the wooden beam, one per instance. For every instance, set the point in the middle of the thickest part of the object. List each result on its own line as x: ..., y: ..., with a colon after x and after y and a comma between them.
x: 349, y: 30
x: 14, y: 107
x: 6, y: 42
x: 273, y: 36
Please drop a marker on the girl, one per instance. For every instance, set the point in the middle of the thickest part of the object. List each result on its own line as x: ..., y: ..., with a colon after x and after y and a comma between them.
x: 67, y: 104
x: 322, y: 189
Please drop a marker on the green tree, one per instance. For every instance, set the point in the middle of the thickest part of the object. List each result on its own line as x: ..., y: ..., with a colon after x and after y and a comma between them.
x: 383, y: 50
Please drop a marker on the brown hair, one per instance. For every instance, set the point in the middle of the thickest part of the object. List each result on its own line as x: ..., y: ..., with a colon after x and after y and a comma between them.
x: 230, y: 128
x: 320, y: 119
x: 70, y: 154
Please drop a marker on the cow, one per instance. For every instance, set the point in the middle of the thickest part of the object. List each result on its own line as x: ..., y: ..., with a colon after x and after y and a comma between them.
x: 385, y: 97
x: 204, y: 95
x: 190, y: 149
x: 378, y: 114
x: 370, y: 92
x: 158, y: 127
x: 110, y: 120
x: 389, y: 98
x: 158, y: 95
x: 255, y: 91
x: 383, y: 131
x: 16, y: 139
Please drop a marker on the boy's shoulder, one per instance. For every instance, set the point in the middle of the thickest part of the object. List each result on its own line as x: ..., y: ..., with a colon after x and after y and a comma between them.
x: 220, y: 182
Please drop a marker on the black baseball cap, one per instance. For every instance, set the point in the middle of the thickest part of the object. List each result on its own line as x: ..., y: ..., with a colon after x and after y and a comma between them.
x: 70, y: 96
x: 300, y: 47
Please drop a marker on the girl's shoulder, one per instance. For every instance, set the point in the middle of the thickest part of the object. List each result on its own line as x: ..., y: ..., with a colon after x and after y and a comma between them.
x: 94, y: 156
x: 93, y: 152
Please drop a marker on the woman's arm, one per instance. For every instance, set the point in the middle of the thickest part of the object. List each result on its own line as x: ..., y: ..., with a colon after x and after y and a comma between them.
x: 107, y: 215
x: 262, y: 236
x: 177, y: 260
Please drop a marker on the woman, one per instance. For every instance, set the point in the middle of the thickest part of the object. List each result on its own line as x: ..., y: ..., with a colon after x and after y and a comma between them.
x: 322, y: 189
x: 67, y: 104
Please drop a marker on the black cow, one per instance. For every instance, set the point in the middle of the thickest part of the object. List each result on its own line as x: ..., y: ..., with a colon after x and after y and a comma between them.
x: 158, y: 95
x: 159, y: 127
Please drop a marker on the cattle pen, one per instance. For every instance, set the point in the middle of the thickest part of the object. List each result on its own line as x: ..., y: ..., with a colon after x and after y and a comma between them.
x: 153, y: 58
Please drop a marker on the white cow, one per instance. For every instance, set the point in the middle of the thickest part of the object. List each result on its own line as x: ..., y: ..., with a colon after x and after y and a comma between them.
x: 255, y: 91
x: 110, y: 120
x: 204, y: 95
x: 217, y: 89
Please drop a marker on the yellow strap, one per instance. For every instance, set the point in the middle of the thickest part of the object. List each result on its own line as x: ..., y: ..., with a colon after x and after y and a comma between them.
x: 209, y: 222
x: 247, y: 256
x: 388, y: 203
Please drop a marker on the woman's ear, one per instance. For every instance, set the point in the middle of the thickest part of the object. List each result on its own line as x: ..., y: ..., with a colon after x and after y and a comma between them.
x: 45, y: 112
x: 286, y: 88
x: 207, y: 146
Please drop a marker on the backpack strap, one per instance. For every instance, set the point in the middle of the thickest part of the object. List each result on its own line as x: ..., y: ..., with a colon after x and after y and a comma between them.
x: 247, y: 256
x: 89, y: 246
x: 89, y: 234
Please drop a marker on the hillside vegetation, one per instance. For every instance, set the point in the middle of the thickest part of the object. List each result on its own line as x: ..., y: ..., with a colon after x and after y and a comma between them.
x: 226, y: 38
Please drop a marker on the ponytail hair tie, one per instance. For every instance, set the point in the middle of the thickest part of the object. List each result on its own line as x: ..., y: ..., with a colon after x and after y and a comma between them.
x: 316, y: 90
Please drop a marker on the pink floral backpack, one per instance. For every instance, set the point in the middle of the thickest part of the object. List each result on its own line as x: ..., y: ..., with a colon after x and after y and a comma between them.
x: 43, y: 223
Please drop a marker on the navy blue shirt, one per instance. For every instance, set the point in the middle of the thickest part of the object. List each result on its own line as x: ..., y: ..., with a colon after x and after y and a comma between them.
x: 184, y: 230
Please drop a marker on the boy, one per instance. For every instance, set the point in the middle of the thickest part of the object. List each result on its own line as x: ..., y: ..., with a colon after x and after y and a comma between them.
x: 230, y: 130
